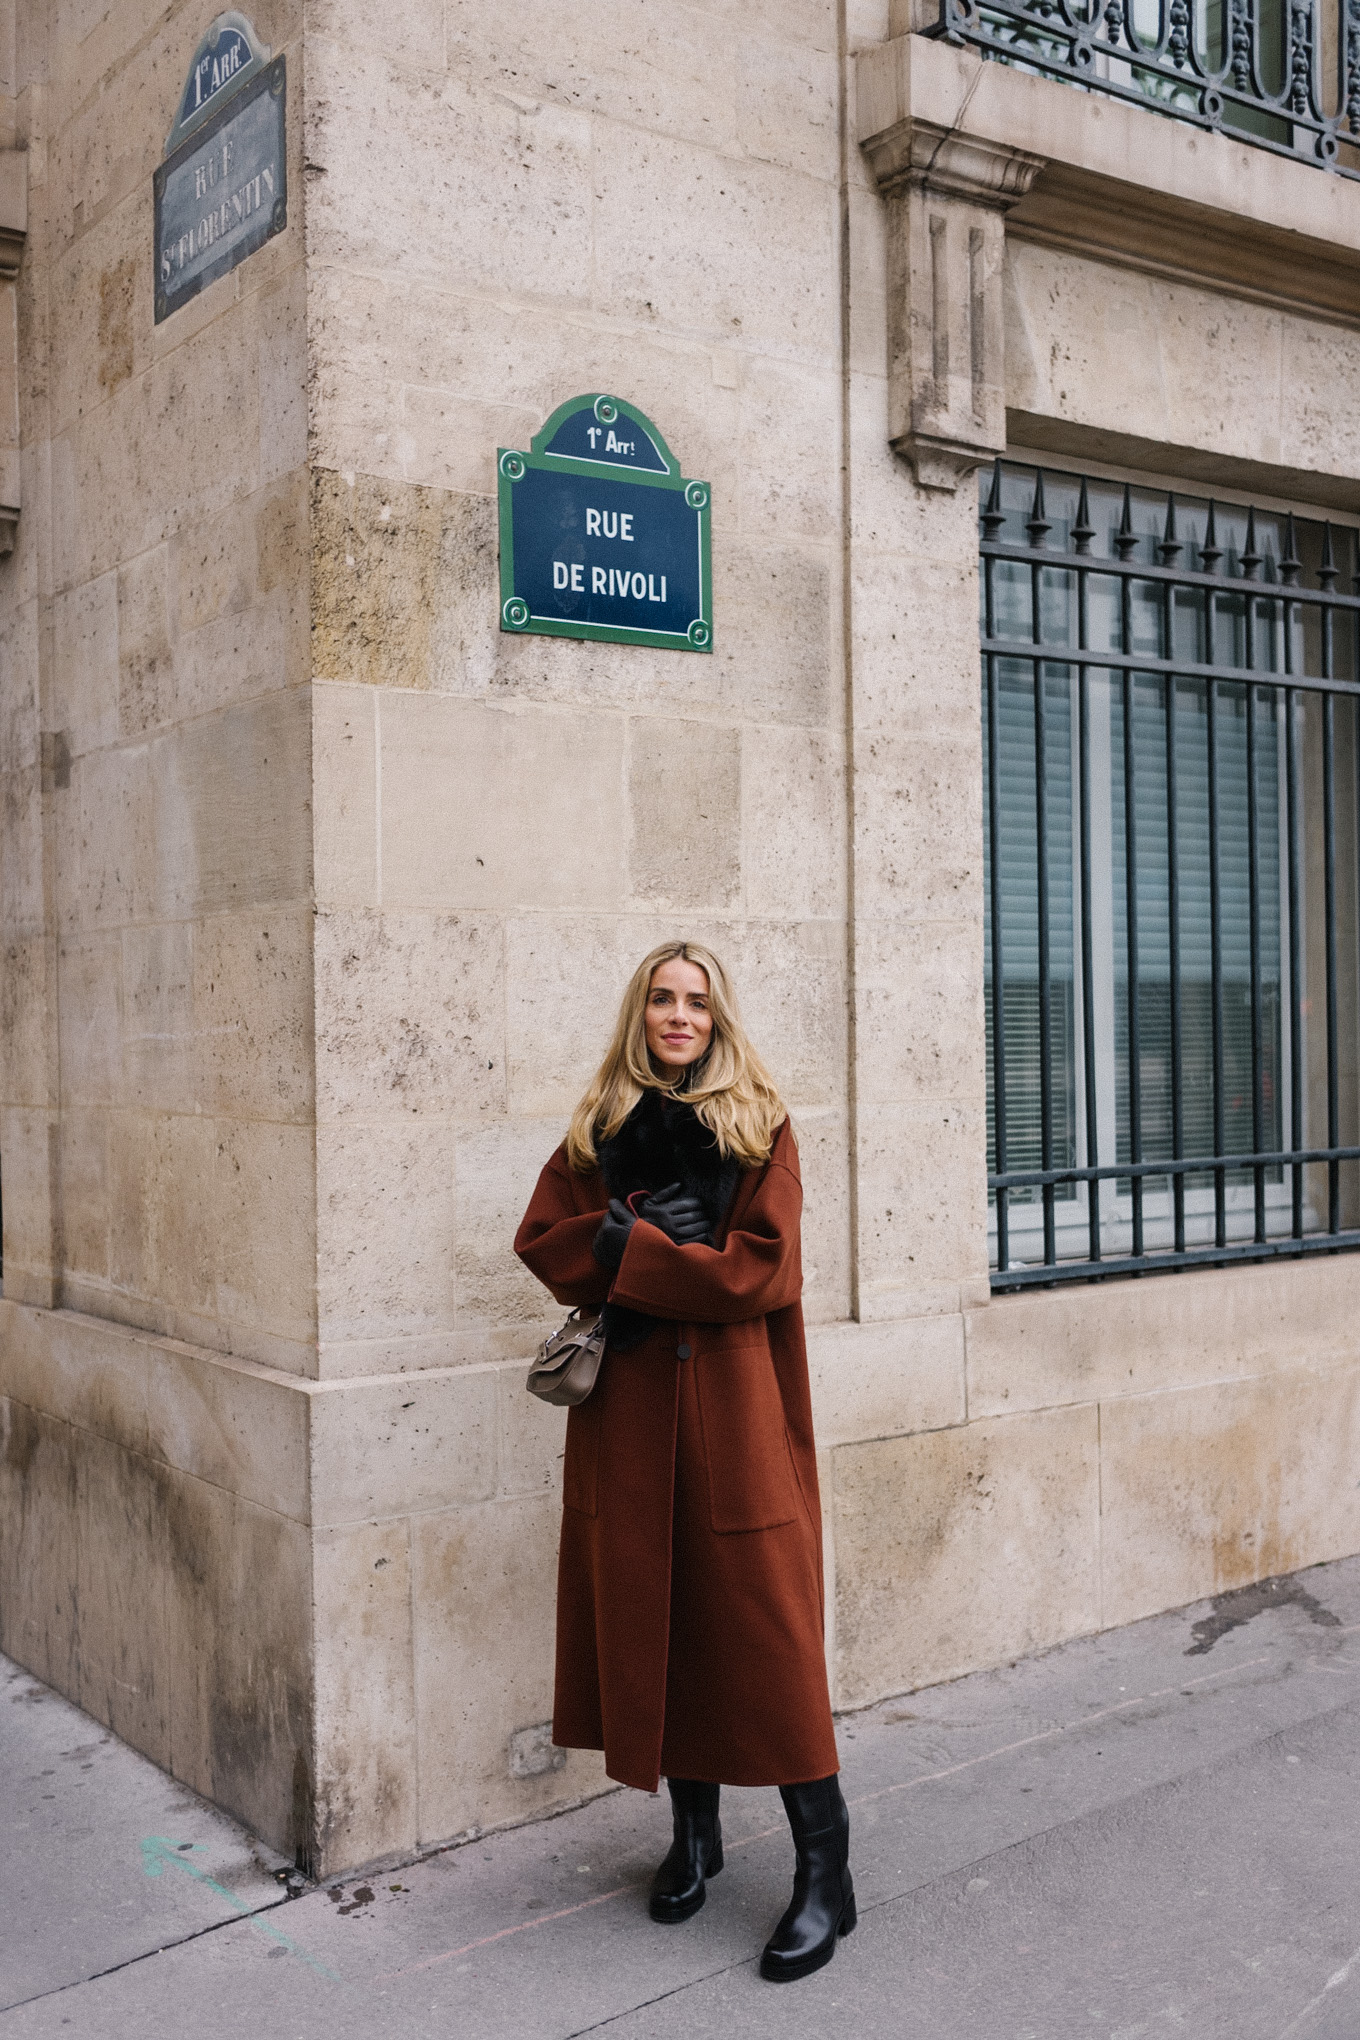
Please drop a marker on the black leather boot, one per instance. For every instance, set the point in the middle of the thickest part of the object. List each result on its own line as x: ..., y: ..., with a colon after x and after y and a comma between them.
x: 823, y: 1904
x: 696, y: 1852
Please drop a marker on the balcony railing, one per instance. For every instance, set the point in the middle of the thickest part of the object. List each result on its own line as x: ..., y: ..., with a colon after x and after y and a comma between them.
x: 1283, y: 74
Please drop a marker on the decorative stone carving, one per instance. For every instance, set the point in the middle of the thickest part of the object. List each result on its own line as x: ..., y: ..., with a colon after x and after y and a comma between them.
x: 947, y: 195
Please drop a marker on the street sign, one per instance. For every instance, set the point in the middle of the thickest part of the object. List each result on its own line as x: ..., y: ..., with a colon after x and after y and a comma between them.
x: 602, y: 537
x: 222, y: 191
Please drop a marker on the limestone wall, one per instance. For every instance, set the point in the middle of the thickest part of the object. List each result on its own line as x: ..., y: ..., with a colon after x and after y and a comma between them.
x: 319, y: 892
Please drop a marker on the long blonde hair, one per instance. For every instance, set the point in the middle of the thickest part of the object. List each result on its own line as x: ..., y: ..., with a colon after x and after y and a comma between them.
x: 730, y: 1088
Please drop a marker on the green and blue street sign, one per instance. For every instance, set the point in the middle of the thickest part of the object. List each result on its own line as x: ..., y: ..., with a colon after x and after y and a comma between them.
x: 602, y: 537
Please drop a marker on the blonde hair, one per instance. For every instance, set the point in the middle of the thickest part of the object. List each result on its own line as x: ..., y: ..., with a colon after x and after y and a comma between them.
x: 730, y: 1088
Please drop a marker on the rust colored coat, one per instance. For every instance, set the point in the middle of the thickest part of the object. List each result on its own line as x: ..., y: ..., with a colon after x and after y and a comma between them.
x: 690, y: 1604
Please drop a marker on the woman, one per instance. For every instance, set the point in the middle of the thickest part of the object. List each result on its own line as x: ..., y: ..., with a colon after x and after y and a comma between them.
x: 689, y: 1608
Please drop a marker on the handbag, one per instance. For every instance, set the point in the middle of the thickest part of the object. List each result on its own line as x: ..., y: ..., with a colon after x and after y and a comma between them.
x: 568, y: 1363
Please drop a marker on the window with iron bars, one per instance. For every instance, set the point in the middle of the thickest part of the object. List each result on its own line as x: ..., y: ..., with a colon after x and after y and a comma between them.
x: 1171, y: 759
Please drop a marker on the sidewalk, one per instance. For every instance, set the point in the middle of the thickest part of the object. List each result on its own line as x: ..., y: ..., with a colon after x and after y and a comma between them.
x: 1151, y: 1832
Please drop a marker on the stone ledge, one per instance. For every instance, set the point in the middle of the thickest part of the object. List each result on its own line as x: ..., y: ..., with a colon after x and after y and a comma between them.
x: 1124, y: 183
x: 1098, y: 1342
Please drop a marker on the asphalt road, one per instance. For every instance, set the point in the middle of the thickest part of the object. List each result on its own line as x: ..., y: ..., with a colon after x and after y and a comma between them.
x: 1151, y: 1832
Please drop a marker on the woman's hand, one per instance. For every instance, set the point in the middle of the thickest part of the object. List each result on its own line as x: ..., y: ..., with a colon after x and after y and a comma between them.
x: 677, y: 1214
x: 610, y: 1241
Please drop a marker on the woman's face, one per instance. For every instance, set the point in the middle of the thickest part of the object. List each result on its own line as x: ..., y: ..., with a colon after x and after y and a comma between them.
x: 679, y: 1023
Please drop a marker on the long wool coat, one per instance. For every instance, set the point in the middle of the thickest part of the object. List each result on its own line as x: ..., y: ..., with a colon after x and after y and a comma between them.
x: 690, y: 1603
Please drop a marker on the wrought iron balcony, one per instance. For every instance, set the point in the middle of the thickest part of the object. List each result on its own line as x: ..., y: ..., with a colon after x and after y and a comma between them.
x: 1283, y: 74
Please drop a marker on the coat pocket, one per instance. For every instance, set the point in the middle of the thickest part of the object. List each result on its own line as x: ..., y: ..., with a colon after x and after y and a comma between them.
x: 581, y: 1466
x: 746, y: 1446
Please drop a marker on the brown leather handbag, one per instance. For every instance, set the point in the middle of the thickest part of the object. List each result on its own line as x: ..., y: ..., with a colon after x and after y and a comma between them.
x: 568, y: 1363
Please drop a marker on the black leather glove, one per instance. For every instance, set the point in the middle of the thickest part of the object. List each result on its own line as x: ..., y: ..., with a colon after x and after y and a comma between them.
x: 610, y: 1241
x: 677, y: 1214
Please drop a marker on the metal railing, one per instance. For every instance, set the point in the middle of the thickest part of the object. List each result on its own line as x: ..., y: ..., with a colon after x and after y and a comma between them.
x: 1284, y: 74
x: 1171, y: 720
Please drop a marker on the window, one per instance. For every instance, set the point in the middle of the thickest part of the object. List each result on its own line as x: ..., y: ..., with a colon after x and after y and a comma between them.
x: 1171, y: 730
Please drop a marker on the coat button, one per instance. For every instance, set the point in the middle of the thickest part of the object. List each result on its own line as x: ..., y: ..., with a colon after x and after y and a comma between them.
x: 682, y: 1352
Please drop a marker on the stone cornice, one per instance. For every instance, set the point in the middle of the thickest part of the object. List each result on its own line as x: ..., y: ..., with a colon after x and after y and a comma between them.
x: 1116, y: 181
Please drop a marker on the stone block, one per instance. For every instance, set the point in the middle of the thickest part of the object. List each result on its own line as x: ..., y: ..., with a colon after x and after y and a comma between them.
x: 241, y: 1707
x: 514, y: 177
x: 497, y: 808
x: 922, y: 1206
x: 564, y: 978
x: 674, y: 77
x: 773, y: 676
x: 1205, y: 1489
x: 79, y: 1371
x: 146, y: 660
x: 787, y: 105
x: 363, y: 1681
x: 281, y: 368
x: 236, y: 656
x: 161, y: 1059
x: 410, y: 1014
x: 163, y: 1211
x: 27, y: 1044
x: 120, y: 1592
x: 1102, y: 1340
x: 915, y: 619
x: 89, y: 982
x: 918, y: 827
x: 684, y: 796
x: 19, y: 711
x: 824, y: 1161
x: 789, y: 978
x: 39, y: 1544
x: 85, y: 663
x: 85, y: 1193
x: 740, y: 254
x: 264, y: 1189
x: 253, y: 1013
x: 919, y: 1023
x: 502, y: 1308
x: 345, y: 795
x: 789, y: 479
x: 116, y: 843
x: 242, y: 1428
x: 21, y: 868
x: 485, y: 1591
x: 793, y: 822
x: 232, y: 808
x: 375, y: 575
x: 886, y: 1380
x: 28, y: 1144
x: 391, y: 1447
x: 962, y: 1547
x: 386, y: 1207
x: 533, y: 1436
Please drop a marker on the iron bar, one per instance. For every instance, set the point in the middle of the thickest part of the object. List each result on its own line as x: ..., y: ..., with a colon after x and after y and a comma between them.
x: 1243, y: 922
x: 1329, y: 910
x: 998, y: 955
x: 1088, y: 1013
x: 1173, y: 907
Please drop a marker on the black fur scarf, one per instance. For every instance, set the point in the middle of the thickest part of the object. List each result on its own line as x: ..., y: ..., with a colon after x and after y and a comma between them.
x: 663, y: 1141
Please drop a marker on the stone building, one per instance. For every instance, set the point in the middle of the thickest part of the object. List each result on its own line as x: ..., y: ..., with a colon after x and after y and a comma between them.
x: 321, y: 880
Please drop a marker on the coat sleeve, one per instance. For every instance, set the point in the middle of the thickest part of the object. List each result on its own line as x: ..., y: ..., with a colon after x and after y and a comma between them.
x: 758, y: 1268
x: 555, y: 1236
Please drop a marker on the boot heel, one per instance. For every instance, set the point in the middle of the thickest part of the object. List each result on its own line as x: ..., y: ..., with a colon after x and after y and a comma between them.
x: 715, y: 1861
x: 849, y: 1918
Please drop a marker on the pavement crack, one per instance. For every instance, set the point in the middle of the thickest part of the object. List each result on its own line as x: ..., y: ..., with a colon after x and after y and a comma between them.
x: 146, y: 1955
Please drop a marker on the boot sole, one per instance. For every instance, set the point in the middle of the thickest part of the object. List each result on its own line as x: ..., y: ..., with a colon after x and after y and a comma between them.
x: 672, y: 1913
x: 775, y: 1971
